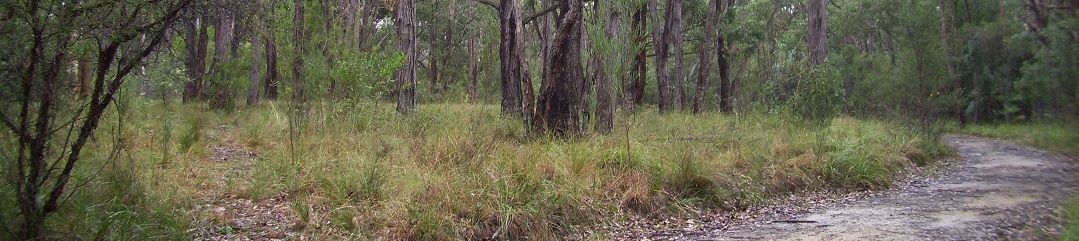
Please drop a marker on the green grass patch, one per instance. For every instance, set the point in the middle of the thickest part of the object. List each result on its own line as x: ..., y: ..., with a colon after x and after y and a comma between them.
x: 456, y: 171
x: 1060, y: 138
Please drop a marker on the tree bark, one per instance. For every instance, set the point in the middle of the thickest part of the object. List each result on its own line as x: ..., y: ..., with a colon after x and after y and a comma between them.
x: 706, y: 57
x: 604, y: 102
x: 223, y: 38
x: 659, y: 42
x: 195, y: 89
x: 191, y: 49
x: 634, y: 88
x: 474, y: 70
x: 256, y: 75
x: 818, y: 28
x: 726, y: 84
x: 447, y: 55
x: 222, y: 41
x: 271, y: 82
x: 509, y: 53
x: 298, y: 42
x: 405, y: 20
x: 675, y: 34
x: 558, y: 112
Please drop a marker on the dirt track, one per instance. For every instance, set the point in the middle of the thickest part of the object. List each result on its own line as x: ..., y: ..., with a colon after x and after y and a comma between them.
x: 997, y: 191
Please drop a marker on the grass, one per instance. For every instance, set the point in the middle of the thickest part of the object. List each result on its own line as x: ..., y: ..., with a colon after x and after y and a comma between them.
x: 1071, y: 213
x: 458, y: 171
x: 1055, y: 137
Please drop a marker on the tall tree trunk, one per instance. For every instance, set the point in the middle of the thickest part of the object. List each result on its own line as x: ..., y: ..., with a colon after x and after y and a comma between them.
x: 706, y: 57
x: 659, y: 42
x: 559, y: 106
x: 256, y: 76
x: 191, y: 47
x: 634, y: 88
x: 432, y: 64
x: 510, y: 20
x: 271, y: 82
x: 474, y: 70
x: 195, y: 89
x: 676, y: 36
x: 818, y: 29
x: 222, y: 41
x: 604, y: 102
x: 405, y: 20
x: 726, y: 84
x: 223, y: 38
x: 447, y: 56
x: 298, y: 41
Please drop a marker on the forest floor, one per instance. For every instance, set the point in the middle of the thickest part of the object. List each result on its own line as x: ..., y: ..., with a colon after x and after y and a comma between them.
x: 998, y: 190
x: 232, y: 214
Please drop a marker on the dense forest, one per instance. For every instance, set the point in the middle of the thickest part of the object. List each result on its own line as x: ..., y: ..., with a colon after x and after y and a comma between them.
x: 491, y: 119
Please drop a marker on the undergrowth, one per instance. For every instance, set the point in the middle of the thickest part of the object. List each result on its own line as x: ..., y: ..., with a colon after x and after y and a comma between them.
x: 457, y: 171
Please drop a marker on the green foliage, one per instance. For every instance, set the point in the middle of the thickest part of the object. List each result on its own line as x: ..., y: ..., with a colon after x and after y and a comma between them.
x: 1049, y: 86
x: 367, y: 75
x: 819, y: 96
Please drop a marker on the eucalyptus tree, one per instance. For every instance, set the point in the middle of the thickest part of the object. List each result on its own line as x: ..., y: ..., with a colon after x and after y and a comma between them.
x: 560, y: 101
x: 405, y: 22
x: 46, y: 128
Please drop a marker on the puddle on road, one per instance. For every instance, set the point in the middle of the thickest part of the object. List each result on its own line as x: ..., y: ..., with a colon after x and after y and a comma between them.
x: 1002, y: 159
x: 954, y: 219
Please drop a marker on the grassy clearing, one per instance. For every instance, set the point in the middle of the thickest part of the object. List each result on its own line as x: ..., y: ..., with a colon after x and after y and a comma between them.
x: 1054, y: 137
x: 462, y: 172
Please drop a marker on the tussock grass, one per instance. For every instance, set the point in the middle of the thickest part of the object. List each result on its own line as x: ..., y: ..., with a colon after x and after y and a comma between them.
x: 457, y: 171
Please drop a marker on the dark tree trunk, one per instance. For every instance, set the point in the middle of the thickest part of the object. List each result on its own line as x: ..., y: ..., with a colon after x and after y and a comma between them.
x: 191, y: 48
x: 634, y: 88
x: 510, y: 56
x: 298, y: 41
x: 675, y: 35
x: 604, y: 102
x: 706, y: 57
x: 405, y: 20
x: 559, y: 106
x: 474, y: 70
x: 256, y: 75
x: 83, y: 73
x: 271, y: 82
x: 818, y: 28
x: 195, y: 89
x: 726, y: 84
x: 659, y: 42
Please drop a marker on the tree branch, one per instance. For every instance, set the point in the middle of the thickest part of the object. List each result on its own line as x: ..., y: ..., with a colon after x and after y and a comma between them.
x: 541, y: 13
x: 488, y: 3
